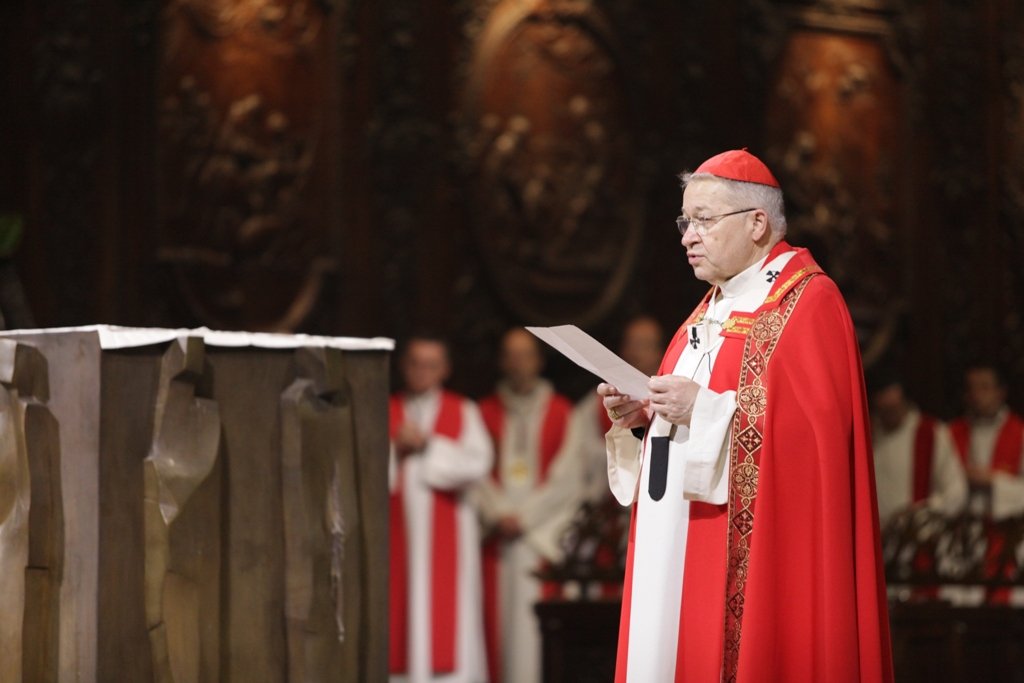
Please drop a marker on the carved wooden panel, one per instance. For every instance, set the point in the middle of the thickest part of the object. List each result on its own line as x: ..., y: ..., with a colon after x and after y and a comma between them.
x: 245, y: 179
x: 558, y: 216
x: 833, y: 137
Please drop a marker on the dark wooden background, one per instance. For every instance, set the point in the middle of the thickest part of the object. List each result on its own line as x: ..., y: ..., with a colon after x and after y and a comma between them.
x: 367, y: 168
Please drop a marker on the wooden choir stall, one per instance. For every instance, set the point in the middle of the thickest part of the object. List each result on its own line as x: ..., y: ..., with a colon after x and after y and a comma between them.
x: 188, y: 506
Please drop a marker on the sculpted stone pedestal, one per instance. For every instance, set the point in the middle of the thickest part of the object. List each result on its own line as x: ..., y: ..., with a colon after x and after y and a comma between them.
x: 188, y: 506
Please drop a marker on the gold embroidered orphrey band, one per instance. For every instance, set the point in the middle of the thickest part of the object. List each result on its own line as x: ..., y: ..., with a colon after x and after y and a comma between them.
x: 744, y: 458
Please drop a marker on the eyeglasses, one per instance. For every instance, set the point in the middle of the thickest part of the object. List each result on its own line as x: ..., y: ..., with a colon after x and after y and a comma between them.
x: 703, y: 224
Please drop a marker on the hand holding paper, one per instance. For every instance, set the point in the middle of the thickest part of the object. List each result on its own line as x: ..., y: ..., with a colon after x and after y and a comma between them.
x: 594, y: 357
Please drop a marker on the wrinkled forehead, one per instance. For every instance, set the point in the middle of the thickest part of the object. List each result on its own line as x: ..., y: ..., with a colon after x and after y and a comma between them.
x: 707, y: 192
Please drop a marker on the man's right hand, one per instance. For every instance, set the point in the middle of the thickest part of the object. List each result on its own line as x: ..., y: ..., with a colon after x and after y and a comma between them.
x: 623, y: 410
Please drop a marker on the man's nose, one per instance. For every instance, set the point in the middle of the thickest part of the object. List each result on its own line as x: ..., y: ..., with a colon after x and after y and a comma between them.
x: 689, y: 237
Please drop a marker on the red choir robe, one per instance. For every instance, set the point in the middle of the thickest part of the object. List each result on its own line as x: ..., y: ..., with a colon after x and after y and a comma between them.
x: 551, y: 437
x: 803, y: 531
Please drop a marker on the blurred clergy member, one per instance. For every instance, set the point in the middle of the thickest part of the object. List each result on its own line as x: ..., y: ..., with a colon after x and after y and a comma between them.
x: 989, y: 439
x: 753, y: 553
x: 525, y: 505
x: 439, y: 448
x: 915, y: 460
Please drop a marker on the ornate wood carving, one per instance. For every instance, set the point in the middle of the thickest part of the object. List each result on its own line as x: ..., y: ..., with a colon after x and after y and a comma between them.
x: 558, y: 212
x: 840, y: 180
x: 244, y: 189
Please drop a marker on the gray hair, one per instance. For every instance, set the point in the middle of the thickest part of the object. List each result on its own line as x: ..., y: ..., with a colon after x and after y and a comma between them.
x: 753, y: 195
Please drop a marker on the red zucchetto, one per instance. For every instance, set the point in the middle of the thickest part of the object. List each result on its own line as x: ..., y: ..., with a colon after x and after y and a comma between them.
x: 738, y: 164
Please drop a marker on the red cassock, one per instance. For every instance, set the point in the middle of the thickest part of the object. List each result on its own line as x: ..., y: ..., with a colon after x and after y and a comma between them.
x: 785, y: 582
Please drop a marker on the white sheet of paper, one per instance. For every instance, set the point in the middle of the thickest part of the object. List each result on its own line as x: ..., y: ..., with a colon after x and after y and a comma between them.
x: 595, y: 357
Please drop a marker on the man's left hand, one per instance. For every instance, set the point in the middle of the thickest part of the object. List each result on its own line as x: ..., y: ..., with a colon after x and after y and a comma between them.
x: 672, y: 397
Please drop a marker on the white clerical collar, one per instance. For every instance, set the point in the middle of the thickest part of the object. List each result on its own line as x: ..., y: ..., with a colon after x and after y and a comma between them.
x: 996, y: 420
x: 742, y: 281
x: 426, y: 398
x: 511, y: 398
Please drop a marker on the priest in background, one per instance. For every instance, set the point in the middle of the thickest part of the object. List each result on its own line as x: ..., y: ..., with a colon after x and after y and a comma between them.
x: 989, y: 440
x: 754, y: 551
x: 525, y: 505
x: 439, y: 448
x: 915, y: 460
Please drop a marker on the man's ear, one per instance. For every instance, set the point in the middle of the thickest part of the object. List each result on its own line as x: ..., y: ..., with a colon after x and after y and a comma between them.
x: 759, y: 227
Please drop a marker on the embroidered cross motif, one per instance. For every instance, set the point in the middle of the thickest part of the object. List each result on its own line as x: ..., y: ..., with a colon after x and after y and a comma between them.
x: 772, y: 275
x: 694, y: 342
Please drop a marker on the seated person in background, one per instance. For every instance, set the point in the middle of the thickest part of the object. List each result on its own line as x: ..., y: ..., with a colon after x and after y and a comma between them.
x: 525, y: 505
x: 439, y: 447
x: 915, y: 460
x: 989, y: 440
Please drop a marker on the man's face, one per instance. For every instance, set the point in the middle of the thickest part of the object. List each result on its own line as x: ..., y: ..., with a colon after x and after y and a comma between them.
x: 642, y: 345
x: 983, y: 395
x: 890, y: 406
x: 424, y: 366
x: 521, y: 360
x: 729, y: 247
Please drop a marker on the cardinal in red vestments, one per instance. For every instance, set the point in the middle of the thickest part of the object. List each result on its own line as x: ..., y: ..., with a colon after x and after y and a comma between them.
x: 753, y: 551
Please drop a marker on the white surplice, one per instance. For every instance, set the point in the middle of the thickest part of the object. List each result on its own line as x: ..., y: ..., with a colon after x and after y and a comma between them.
x: 544, y: 510
x: 447, y: 465
x: 1007, y: 489
x: 894, y: 469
